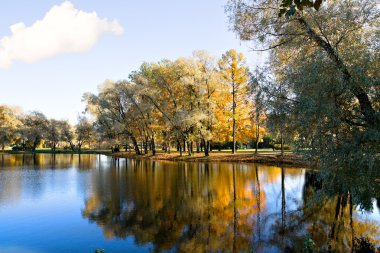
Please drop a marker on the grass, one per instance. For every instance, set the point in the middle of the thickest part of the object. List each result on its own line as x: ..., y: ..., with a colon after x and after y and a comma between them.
x: 264, y: 156
x: 251, y: 150
x: 267, y: 156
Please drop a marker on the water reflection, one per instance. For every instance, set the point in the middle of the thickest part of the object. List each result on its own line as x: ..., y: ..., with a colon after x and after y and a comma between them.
x: 205, y: 207
x: 48, y: 161
x: 223, y: 207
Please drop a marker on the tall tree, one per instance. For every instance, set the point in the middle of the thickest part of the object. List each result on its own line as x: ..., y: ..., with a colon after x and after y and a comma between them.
x: 68, y: 134
x: 234, y: 72
x: 257, y: 94
x: 54, y: 133
x: 84, y: 132
x: 34, y: 129
x: 329, y: 60
x: 115, y: 113
x: 329, y: 29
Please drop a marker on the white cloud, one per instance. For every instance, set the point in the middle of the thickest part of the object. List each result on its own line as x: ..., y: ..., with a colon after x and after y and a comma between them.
x: 64, y: 29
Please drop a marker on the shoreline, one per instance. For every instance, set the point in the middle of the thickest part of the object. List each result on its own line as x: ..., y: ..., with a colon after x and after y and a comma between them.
x: 264, y: 157
x: 288, y: 160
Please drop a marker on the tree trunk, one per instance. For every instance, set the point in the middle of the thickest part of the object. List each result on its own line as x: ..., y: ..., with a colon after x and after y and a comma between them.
x: 179, y: 147
x: 189, y: 149
x: 198, y: 148
x: 336, y: 218
x: 153, y: 146
x: 145, y: 147
x: 365, y: 104
x: 34, y: 147
x: 72, y: 146
x: 233, y: 120
x: 257, y: 138
x: 282, y: 145
x: 135, y: 145
x: 207, y: 146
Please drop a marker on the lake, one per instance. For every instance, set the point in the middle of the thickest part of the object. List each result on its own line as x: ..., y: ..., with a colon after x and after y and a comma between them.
x: 72, y: 203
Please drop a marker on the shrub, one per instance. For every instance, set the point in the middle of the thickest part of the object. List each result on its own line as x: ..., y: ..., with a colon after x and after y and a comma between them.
x: 16, y: 148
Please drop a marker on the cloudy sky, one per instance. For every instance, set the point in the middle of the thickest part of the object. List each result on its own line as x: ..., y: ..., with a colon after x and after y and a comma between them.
x: 51, y: 51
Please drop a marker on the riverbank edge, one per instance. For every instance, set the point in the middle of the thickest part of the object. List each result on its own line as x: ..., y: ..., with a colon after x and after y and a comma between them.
x: 68, y: 152
x: 288, y: 160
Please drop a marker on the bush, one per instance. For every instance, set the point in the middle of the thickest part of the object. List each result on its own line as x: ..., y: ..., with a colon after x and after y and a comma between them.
x: 363, y: 245
x: 278, y: 147
x: 309, y: 245
x: 16, y: 148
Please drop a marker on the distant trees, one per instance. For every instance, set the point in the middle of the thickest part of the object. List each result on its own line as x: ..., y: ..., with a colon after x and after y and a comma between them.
x: 32, y: 130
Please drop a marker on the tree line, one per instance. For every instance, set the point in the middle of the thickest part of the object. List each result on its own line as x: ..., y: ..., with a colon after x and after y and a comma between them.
x: 190, y: 104
x: 27, y: 131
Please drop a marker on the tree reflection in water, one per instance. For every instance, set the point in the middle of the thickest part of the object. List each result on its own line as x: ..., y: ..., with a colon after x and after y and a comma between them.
x: 201, y: 207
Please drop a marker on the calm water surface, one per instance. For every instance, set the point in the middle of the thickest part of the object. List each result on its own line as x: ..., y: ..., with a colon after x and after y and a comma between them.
x: 71, y: 203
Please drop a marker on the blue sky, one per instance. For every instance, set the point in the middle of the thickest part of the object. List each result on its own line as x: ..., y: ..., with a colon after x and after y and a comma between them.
x: 53, y: 82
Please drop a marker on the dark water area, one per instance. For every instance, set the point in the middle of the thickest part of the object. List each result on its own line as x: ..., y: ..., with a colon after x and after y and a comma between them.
x: 72, y: 203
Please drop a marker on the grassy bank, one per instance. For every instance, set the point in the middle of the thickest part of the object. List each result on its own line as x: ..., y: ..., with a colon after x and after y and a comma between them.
x: 267, y: 157
x: 245, y: 156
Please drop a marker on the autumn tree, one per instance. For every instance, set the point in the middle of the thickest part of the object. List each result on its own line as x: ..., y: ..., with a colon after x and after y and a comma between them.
x: 9, y: 122
x: 163, y: 87
x: 114, y: 110
x: 234, y: 72
x: 209, y: 85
